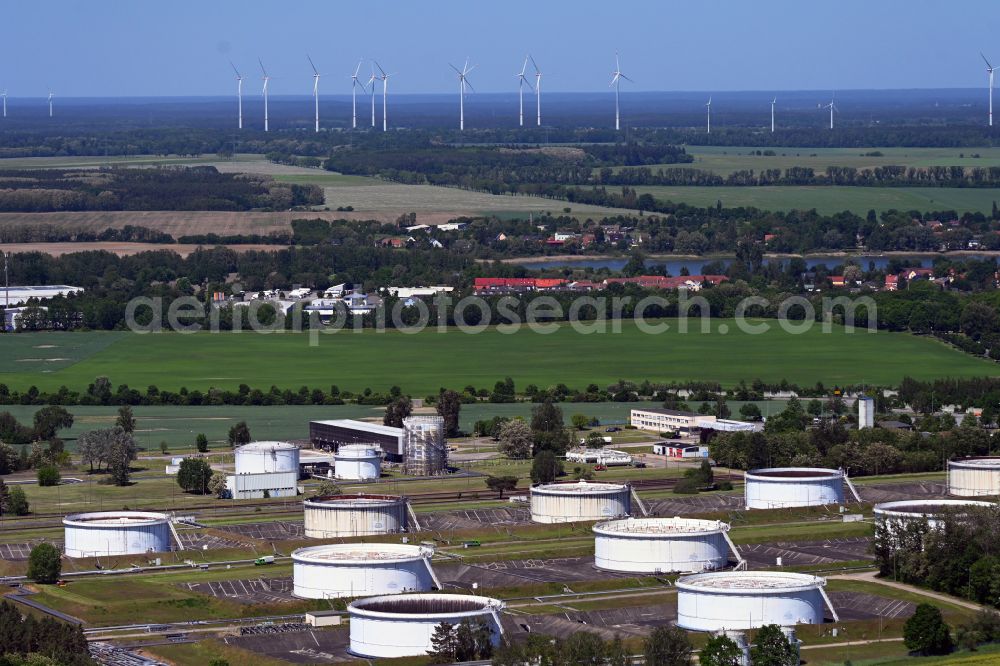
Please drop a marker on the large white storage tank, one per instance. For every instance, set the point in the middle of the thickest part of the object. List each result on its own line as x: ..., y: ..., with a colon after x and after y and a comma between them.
x: 783, y: 487
x: 267, y: 458
x: 579, y: 501
x: 335, y: 516
x: 929, y: 510
x: 402, y: 625
x: 109, y: 533
x: 361, y: 570
x: 357, y: 462
x: 733, y: 600
x: 974, y: 477
x: 661, y: 545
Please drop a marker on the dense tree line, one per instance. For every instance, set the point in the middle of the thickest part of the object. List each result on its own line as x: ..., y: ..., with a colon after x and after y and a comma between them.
x: 959, y: 554
x: 881, y: 176
x: 23, y: 635
x: 164, y: 188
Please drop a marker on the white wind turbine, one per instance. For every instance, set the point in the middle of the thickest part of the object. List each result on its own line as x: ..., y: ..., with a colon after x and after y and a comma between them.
x: 267, y: 80
x: 315, y: 88
x: 990, y: 69
x: 773, y: 102
x: 50, y: 103
x: 385, y: 97
x: 4, y: 102
x: 708, y: 109
x: 521, y: 82
x: 463, y: 81
x: 616, y: 81
x: 239, y: 95
x: 832, y: 107
x: 354, y: 95
x: 371, y: 84
x: 538, y: 92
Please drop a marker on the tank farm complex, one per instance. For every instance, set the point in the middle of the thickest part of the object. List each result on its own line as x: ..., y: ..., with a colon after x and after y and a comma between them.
x: 359, y: 543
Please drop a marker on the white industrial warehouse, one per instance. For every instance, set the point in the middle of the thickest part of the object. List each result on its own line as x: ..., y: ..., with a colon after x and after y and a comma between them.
x: 783, y: 487
x: 265, y: 468
x: 356, y: 569
x: 357, y: 462
x: 107, y: 533
x: 930, y: 511
x: 974, y: 477
x: 335, y: 516
x: 662, y: 545
x: 579, y: 501
x: 402, y: 625
x: 733, y: 600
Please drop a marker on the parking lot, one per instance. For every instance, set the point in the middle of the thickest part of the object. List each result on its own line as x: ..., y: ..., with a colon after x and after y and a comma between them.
x: 683, y: 506
x: 246, y: 591
x: 891, y: 492
x: 300, y: 647
x: 863, y: 606
x: 624, y: 622
x: 474, y: 518
x: 18, y: 552
x: 277, y: 530
x: 509, y: 573
x: 801, y: 553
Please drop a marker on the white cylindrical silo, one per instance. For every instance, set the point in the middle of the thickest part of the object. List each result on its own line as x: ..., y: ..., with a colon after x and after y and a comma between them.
x: 784, y: 487
x: 402, y: 625
x: 734, y: 600
x: 267, y: 457
x: 661, y: 545
x: 354, y: 515
x: 929, y: 510
x: 357, y: 462
x: 579, y: 501
x: 974, y: 477
x: 361, y: 570
x: 106, y: 533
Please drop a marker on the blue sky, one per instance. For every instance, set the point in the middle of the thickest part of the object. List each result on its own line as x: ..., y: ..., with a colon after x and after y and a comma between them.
x: 181, y: 47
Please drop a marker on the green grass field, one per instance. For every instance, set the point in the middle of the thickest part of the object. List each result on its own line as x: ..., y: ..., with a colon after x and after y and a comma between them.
x: 422, y: 363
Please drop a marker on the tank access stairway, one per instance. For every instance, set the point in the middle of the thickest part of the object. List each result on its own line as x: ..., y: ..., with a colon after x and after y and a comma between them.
x: 639, y: 502
x: 741, y: 564
x: 850, y: 486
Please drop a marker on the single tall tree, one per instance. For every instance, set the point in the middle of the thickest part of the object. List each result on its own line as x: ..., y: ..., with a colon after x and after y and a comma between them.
x: 771, y: 648
x: 239, y: 434
x: 50, y: 420
x: 449, y: 405
x: 668, y: 646
x: 45, y: 563
x: 396, y: 411
x: 126, y: 419
x: 926, y: 632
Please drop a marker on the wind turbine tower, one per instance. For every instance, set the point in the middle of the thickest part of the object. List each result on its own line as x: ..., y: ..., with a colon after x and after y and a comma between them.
x: 385, y: 97
x: 616, y: 82
x: 708, y: 109
x: 832, y: 108
x: 315, y: 89
x: 989, y: 69
x: 354, y: 95
x: 773, y: 102
x: 521, y: 81
x: 371, y: 84
x: 267, y: 80
x: 50, y: 104
x: 462, y: 83
x: 4, y: 102
x: 239, y: 96
x: 538, y: 92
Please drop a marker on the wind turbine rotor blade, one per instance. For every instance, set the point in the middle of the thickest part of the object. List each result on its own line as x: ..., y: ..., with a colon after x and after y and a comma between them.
x: 626, y: 78
x: 358, y: 68
x: 988, y: 65
x: 466, y: 81
x: 457, y: 71
x: 235, y: 70
x: 264, y: 71
x: 313, y: 65
x: 379, y: 67
x: 533, y: 64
